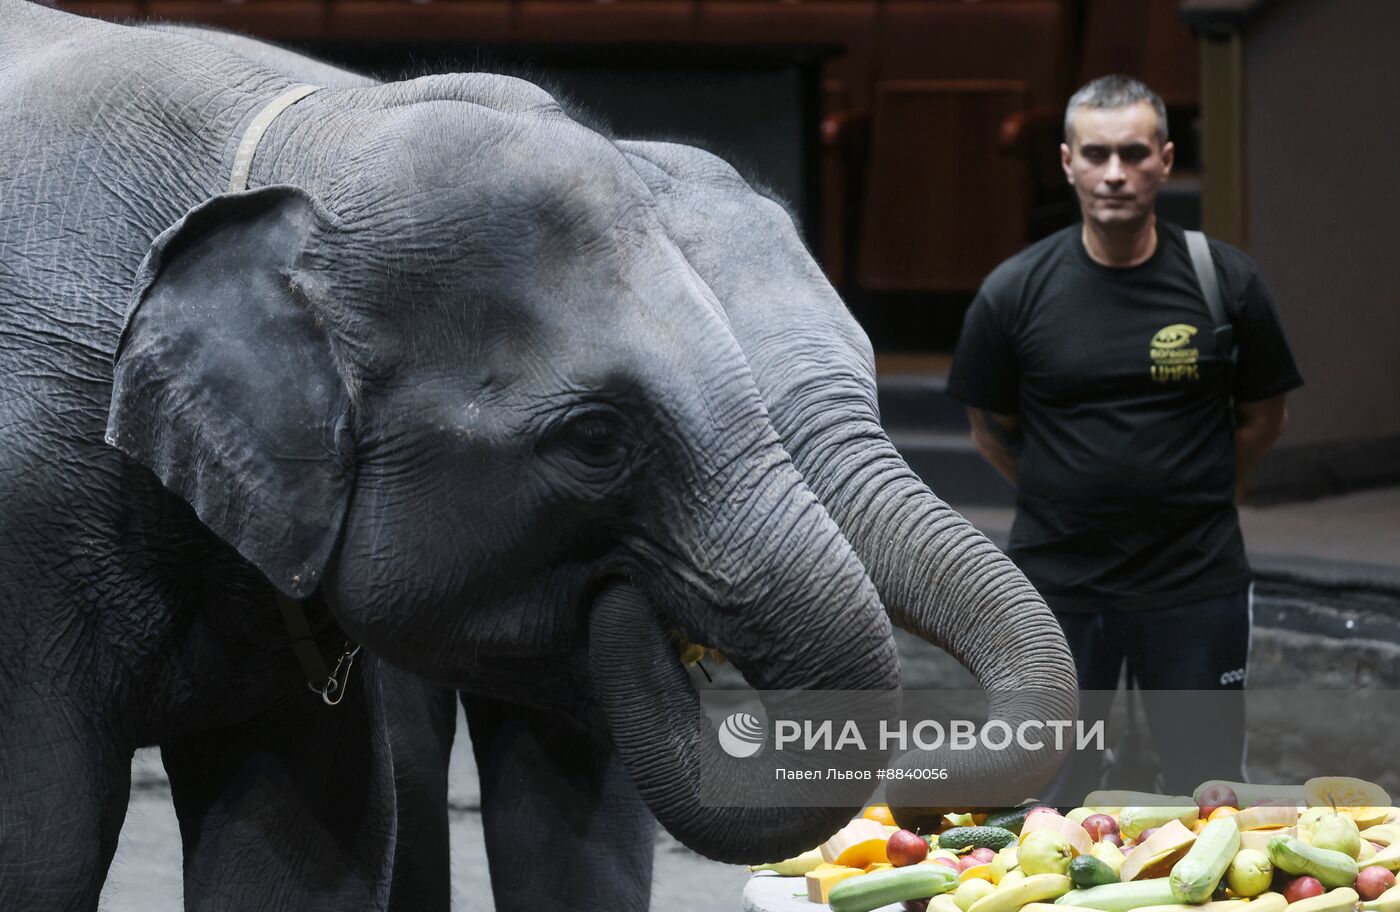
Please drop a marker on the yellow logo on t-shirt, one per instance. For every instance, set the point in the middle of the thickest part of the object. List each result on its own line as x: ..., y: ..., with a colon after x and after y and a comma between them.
x: 1171, y: 358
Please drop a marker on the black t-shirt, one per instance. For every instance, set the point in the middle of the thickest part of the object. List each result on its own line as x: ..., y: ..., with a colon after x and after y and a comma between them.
x: 1127, y: 469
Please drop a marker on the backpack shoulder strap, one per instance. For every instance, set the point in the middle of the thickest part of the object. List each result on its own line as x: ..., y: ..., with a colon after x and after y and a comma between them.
x: 1204, y: 265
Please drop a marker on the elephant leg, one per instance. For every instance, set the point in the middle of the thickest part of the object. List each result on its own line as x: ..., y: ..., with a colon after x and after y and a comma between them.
x: 564, y: 826
x: 292, y: 810
x: 67, y: 782
x: 421, y: 720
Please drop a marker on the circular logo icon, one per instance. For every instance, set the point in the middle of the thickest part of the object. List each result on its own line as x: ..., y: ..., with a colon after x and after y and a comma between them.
x: 741, y: 735
x: 1175, y: 336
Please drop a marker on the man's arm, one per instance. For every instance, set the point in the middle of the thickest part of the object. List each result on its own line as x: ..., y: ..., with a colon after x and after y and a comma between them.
x: 998, y: 439
x: 1257, y: 426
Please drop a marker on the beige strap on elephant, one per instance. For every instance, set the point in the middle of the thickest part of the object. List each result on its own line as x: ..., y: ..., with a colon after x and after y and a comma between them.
x: 330, y: 684
x: 243, y: 158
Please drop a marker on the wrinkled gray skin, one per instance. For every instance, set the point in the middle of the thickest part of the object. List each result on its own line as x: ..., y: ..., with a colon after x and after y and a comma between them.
x: 814, y: 368
x: 448, y: 375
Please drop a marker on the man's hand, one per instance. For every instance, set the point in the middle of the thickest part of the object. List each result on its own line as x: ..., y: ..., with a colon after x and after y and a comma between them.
x: 1257, y: 426
x: 998, y: 439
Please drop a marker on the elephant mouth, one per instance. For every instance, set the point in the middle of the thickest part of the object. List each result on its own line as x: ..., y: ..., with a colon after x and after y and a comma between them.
x: 724, y: 805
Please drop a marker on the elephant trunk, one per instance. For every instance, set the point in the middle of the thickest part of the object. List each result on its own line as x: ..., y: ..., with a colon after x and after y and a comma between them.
x: 672, y: 753
x: 794, y: 611
x: 943, y: 580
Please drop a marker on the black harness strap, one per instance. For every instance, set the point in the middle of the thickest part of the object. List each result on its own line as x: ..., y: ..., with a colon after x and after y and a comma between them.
x: 304, y: 647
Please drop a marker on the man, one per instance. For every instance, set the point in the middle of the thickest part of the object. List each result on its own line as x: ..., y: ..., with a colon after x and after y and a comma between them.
x: 1096, y: 382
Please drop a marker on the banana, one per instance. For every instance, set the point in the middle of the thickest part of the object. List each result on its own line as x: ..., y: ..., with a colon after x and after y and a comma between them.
x: 1385, y: 834
x: 1342, y: 899
x: 1222, y: 905
x: 1390, y: 858
x: 1036, y: 888
x: 1389, y: 901
x: 792, y: 867
x: 1268, y: 902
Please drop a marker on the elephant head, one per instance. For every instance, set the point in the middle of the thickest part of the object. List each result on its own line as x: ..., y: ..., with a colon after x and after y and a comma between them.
x: 937, y: 575
x: 447, y: 366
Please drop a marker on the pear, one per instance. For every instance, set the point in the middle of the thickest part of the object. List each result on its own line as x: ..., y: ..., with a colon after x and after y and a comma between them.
x: 1339, y: 833
x: 1109, y: 854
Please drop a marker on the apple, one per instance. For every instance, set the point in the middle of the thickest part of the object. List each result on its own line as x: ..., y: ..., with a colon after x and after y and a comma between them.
x: 1303, y: 888
x: 984, y: 854
x: 904, y: 848
x: 1146, y: 835
x: 1100, y: 825
x: 946, y: 862
x: 970, y: 861
x: 1374, y: 881
x: 1115, y: 838
x: 1217, y: 796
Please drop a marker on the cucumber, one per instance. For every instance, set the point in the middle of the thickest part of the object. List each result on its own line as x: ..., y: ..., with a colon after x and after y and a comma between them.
x: 978, y: 837
x: 1011, y: 818
x: 1087, y: 871
x: 880, y: 888
x: 1293, y: 856
x: 1121, y: 897
x: 1195, y: 877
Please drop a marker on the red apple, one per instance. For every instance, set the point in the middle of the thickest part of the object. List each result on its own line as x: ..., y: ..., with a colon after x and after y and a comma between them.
x: 1100, y: 825
x: 984, y: 854
x: 904, y: 848
x: 970, y: 861
x: 1374, y: 881
x: 1217, y: 796
x: 1303, y: 888
x: 1146, y: 835
x: 947, y: 862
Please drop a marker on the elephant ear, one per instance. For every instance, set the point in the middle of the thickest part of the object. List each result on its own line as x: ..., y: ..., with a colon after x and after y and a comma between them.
x: 225, y: 383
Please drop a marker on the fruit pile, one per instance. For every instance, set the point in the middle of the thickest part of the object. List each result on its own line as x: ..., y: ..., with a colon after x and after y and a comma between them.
x: 1332, y: 845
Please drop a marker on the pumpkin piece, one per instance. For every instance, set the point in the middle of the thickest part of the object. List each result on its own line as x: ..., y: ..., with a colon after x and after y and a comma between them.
x: 1259, y: 839
x: 857, y: 844
x: 1170, y: 839
x: 1266, y: 816
x: 820, y: 882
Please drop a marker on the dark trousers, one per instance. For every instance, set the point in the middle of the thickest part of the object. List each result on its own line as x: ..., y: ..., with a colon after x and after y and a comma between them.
x: 1201, y: 647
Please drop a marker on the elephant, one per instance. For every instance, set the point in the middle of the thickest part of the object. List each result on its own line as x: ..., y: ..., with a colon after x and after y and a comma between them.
x: 815, y: 371
x: 457, y: 378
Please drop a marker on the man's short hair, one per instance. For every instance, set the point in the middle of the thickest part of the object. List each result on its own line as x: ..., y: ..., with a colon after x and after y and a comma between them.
x: 1112, y: 92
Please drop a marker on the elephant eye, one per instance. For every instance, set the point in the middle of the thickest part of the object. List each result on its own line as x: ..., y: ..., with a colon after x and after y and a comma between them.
x: 596, y: 437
